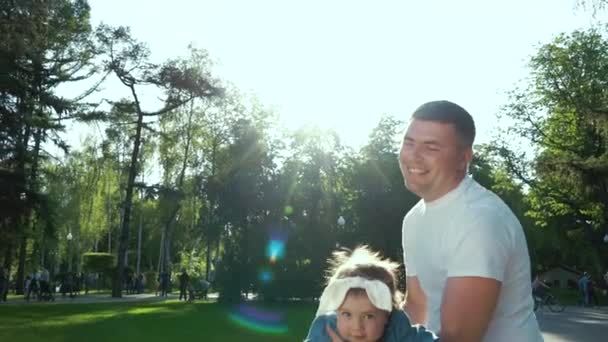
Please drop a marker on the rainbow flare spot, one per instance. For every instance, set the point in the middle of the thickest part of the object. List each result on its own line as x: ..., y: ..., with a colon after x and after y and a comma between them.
x: 259, y: 320
x: 266, y: 276
x: 275, y: 249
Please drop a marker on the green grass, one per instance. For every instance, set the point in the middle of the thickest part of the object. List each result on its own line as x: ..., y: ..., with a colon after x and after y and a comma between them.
x: 169, y: 321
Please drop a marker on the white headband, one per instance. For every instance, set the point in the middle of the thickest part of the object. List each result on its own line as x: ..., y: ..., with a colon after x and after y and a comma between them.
x: 335, y: 292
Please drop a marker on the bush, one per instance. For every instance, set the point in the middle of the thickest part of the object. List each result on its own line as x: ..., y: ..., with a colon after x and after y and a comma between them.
x: 151, y: 280
x: 98, y: 263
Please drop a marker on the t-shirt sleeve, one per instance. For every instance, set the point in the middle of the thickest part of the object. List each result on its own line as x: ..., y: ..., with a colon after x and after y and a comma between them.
x: 480, y: 249
x: 407, y: 241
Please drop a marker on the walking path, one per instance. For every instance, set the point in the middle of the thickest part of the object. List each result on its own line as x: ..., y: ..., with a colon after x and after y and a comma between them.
x: 98, y: 298
x: 574, y: 324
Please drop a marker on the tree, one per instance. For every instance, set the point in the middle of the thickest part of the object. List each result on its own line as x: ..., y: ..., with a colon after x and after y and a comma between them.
x: 380, y: 198
x: 563, y: 112
x: 44, y: 44
x: 594, y: 5
x: 127, y: 59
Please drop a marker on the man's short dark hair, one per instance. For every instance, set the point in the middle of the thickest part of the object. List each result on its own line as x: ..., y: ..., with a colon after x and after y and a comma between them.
x: 451, y: 113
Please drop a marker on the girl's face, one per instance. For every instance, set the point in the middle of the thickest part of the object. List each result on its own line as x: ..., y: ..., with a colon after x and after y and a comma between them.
x: 359, y: 319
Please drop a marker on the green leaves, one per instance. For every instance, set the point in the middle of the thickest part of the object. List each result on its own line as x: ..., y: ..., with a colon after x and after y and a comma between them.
x: 563, y: 112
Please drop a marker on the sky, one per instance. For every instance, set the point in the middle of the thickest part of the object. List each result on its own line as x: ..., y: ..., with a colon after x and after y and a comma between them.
x: 342, y: 64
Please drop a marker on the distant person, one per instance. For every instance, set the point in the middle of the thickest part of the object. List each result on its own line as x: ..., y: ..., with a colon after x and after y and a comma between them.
x: 539, y: 287
x: 583, y: 287
x: 592, y: 293
x: 26, y: 284
x: 184, y: 280
x: 34, y: 286
x: 46, y: 292
x: 164, y: 279
x: 139, y: 287
x: 143, y: 282
x: 3, y: 283
x: 205, y: 285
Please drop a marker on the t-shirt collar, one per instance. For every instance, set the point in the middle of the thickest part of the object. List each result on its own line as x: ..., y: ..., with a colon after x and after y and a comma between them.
x: 451, y: 195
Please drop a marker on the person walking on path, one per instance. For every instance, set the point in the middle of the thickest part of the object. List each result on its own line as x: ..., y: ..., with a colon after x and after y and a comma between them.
x: 184, y: 280
x: 583, y: 287
x: 3, y: 284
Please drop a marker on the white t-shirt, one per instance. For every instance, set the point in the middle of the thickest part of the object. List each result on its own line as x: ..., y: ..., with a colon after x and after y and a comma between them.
x: 471, y: 232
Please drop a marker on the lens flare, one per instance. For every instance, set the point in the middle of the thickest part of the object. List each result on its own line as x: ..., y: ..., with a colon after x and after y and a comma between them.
x: 288, y: 210
x: 260, y: 320
x: 266, y: 276
x: 275, y: 249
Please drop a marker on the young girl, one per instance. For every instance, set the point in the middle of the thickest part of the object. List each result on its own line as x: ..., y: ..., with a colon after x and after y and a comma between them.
x: 361, y: 302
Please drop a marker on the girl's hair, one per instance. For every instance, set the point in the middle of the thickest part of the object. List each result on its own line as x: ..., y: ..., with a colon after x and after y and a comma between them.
x: 365, y: 263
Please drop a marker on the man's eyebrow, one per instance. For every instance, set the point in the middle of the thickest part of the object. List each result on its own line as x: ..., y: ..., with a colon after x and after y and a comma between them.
x: 425, y: 142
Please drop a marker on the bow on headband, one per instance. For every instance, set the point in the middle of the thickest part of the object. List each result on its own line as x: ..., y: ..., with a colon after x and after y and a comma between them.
x: 333, y: 295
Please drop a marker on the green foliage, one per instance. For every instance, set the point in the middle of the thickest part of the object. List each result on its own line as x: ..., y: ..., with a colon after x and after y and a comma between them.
x: 98, y: 262
x: 563, y: 112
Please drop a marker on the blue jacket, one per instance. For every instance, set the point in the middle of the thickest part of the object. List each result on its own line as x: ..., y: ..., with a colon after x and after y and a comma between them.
x: 399, y: 329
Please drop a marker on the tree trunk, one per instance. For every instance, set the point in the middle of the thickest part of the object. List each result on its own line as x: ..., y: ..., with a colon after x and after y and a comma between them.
x: 208, y: 257
x: 28, y: 218
x: 167, y: 252
x: 126, y: 219
x: 8, y: 258
x: 21, y: 266
x: 109, y: 217
x: 141, y: 223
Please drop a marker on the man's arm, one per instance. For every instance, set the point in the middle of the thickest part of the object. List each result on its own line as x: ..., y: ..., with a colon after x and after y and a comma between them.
x: 415, y: 301
x: 467, y: 308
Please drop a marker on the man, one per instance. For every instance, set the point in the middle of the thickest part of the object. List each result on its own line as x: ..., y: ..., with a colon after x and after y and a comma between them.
x: 466, y: 257
x: 583, y: 287
x: 184, y: 279
x: 45, y: 285
x: 3, y: 282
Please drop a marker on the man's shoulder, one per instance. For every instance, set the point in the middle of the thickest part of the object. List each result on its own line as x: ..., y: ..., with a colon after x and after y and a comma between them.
x: 487, y: 205
x: 412, y: 216
x: 417, y: 209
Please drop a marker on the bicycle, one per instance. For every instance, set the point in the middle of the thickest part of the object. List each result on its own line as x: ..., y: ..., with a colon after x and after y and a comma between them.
x: 549, y: 301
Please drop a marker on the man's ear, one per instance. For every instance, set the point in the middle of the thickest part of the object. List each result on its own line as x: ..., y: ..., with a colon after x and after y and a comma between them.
x: 467, y: 158
x: 469, y: 154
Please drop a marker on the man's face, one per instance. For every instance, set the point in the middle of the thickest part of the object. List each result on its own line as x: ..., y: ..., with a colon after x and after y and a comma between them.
x: 433, y: 160
x: 359, y: 320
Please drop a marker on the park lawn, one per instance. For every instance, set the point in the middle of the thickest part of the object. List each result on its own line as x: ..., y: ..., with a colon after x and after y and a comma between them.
x: 169, y: 321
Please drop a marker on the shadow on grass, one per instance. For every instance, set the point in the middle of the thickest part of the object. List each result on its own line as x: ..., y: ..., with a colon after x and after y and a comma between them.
x: 158, y: 321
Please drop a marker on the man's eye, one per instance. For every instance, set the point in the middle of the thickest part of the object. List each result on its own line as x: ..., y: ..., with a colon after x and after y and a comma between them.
x: 345, y: 314
x: 432, y: 148
x: 370, y: 316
